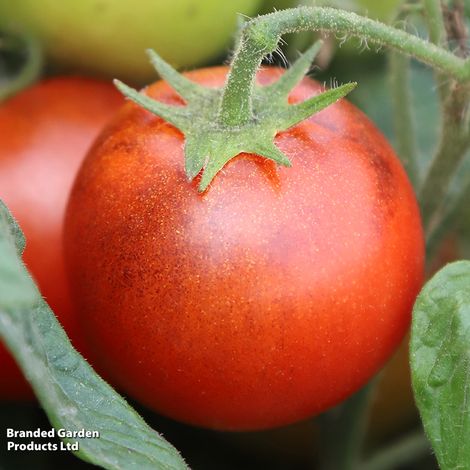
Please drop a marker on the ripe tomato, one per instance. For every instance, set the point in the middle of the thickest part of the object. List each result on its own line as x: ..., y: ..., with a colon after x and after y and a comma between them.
x: 108, y: 36
x: 46, y: 131
x: 270, y: 297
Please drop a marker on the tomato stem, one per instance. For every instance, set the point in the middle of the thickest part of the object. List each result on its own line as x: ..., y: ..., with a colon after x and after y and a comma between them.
x: 453, y: 75
x: 271, y: 27
x: 219, y: 124
x: 437, y: 35
x: 403, y: 122
x: 435, y: 21
x: 237, y: 107
x: 455, y: 141
x: 243, y: 117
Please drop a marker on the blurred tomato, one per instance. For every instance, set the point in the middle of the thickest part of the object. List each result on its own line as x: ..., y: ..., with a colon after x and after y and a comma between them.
x: 271, y: 5
x: 109, y: 36
x: 383, y: 10
x: 46, y: 131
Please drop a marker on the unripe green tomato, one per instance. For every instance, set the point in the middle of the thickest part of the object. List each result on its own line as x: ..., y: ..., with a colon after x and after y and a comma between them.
x: 271, y: 5
x: 382, y: 10
x: 108, y: 37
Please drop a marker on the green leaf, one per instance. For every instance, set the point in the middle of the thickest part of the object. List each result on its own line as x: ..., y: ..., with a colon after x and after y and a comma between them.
x: 72, y: 394
x: 440, y: 363
x: 17, y: 234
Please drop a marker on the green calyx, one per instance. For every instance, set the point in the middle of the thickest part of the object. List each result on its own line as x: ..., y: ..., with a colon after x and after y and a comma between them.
x: 216, y: 132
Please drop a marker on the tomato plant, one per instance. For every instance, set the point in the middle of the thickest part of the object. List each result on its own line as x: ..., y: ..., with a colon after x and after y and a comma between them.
x: 108, y: 36
x: 273, y: 282
x: 332, y: 249
x: 46, y: 131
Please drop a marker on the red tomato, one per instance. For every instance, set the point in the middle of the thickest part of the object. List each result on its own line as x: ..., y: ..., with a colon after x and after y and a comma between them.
x: 46, y: 131
x: 267, y: 299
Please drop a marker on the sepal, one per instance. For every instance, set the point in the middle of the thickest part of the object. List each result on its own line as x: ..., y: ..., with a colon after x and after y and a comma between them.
x: 211, y: 143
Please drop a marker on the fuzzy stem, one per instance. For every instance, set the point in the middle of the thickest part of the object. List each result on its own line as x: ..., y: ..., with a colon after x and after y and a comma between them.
x: 236, y: 107
x: 437, y: 35
x: 402, y: 114
x: 435, y: 21
x: 261, y: 35
x: 452, y: 147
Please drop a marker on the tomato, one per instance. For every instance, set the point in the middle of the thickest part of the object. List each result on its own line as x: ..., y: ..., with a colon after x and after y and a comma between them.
x: 270, y: 5
x: 109, y: 36
x: 268, y: 298
x: 46, y: 131
x: 385, y: 10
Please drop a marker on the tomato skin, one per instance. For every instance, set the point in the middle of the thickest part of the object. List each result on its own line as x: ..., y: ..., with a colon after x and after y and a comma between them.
x: 267, y: 299
x: 46, y: 132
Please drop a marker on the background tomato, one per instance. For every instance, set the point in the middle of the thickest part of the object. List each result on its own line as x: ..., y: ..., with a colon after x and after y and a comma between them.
x: 109, y: 36
x: 271, y: 5
x: 46, y: 131
x: 270, y: 297
x: 385, y: 10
